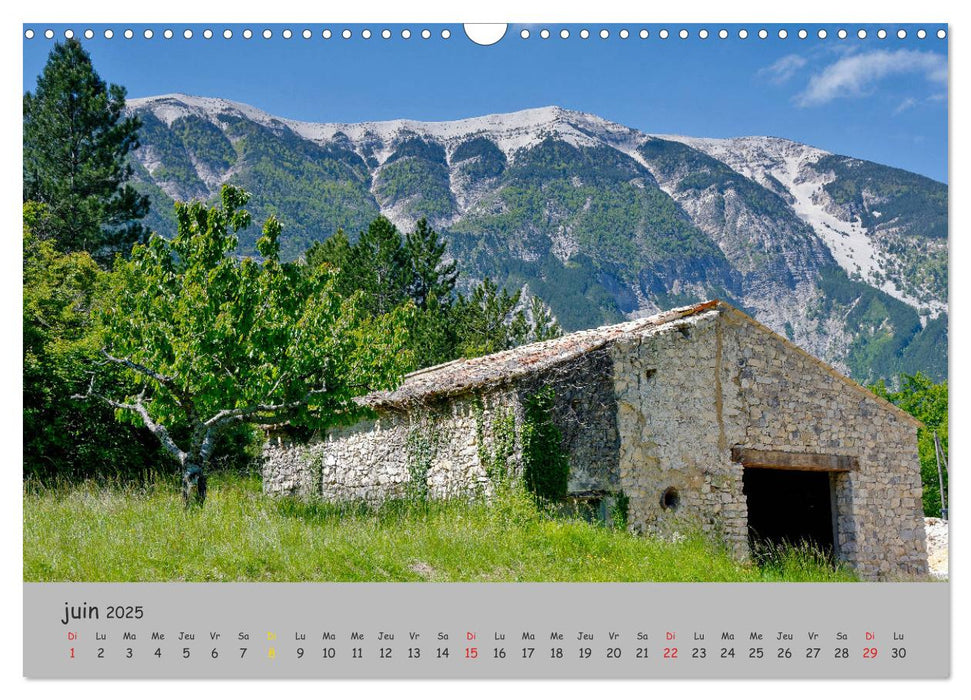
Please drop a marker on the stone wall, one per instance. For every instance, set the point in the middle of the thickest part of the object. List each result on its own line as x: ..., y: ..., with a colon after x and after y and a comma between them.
x: 444, y: 449
x: 672, y: 434
x: 432, y: 450
x: 786, y: 399
x: 585, y: 412
x: 690, y: 393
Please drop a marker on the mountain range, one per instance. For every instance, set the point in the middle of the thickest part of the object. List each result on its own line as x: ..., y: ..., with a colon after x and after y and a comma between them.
x: 845, y: 257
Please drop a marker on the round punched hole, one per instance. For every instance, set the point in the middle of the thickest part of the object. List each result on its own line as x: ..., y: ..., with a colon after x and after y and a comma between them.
x: 227, y: 34
x: 722, y: 33
x: 743, y: 34
x: 670, y: 499
x: 287, y: 34
x: 861, y: 33
x: 524, y: 34
x: 327, y: 34
x: 88, y: 34
x: 446, y: 34
x: 703, y: 34
x: 564, y: 33
x: 148, y: 34
x: 267, y: 34
x: 821, y: 34
x: 29, y: 34
x: 941, y: 34
x: 366, y: 34
x: 763, y: 34
x: 604, y: 34
x: 663, y: 34
x: 487, y: 34
x: 425, y: 34
x: 842, y: 34
x: 168, y: 34
x: 129, y: 34
x: 49, y: 33
x: 187, y: 34
x: 882, y: 34
x: 783, y: 33
x: 247, y: 33
x: 683, y: 34
x: 207, y: 34
x: 306, y: 34
x: 803, y: 33
x: 68, y: 33
x: 544, y: 34
x: 624, y: 33
x: 346, y: 34
x: 921, y: 34
x: 643, y: 34
x: 584, y: 34
x: 901, y: 33
x: 109, y: 34
x: 405, y: 33
x: 385, y: 33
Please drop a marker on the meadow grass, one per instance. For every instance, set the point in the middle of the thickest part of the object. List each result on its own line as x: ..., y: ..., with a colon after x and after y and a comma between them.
x: 92, y: 532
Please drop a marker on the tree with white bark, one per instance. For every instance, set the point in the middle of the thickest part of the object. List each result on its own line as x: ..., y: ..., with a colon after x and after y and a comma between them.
x: 212, y: 339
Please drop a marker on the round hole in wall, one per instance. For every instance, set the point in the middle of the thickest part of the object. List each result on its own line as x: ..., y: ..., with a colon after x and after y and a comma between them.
x: 670, y: 500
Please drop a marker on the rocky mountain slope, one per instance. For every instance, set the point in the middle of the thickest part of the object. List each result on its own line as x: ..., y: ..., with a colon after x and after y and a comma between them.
x: 847, y: 258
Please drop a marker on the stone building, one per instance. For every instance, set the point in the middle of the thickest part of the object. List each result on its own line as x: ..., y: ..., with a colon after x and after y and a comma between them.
x: 699, y: 417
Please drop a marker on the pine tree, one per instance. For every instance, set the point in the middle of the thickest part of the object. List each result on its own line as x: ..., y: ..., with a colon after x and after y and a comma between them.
x: 76, y: 143
x: 379, y: 267
x: 488, y: 320
x: 431, y: 277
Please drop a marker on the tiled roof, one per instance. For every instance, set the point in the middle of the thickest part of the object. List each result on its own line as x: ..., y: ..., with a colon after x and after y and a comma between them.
x: 461, y: 376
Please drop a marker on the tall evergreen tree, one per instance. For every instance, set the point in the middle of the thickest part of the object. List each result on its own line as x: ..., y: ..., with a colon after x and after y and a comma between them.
x: 335, y: 252
x: 380, y: 268
x: 76, y: 142
x: 430, y: 275
x: 489, y: 320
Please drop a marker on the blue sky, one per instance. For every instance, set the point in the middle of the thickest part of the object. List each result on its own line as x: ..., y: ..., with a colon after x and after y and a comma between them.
x: 880, y: 99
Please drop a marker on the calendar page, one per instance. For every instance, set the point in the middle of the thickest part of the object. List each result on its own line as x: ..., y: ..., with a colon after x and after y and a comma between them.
x: 485, y: 351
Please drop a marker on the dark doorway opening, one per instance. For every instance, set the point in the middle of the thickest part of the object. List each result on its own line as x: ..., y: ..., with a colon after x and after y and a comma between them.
x: 788, y: 507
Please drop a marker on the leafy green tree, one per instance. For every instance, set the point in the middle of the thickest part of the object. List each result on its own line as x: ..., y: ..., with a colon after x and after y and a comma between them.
x: 926, y: 401
x: 60, y: 442
x: 76, y: 141
x: 214, y: 340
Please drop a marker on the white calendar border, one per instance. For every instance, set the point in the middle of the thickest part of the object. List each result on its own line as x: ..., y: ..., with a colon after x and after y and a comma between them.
x: 441, y: 10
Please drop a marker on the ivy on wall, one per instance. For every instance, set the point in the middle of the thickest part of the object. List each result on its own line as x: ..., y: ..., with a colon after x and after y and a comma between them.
x: 546, y: 467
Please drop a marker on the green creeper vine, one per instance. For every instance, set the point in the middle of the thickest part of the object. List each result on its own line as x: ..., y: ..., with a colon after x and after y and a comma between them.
x: 546, y: 468
x: 496, y: 460
x: 421, y: 446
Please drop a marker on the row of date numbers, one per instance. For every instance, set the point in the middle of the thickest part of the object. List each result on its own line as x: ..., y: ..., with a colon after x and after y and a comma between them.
x: 669, y: 653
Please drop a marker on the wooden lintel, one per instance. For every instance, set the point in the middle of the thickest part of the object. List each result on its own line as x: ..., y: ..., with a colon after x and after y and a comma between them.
x: 801, y: 461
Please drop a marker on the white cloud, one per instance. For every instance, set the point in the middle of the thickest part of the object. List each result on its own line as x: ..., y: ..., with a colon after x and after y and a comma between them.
x: 783, y: 69
x: 905, y: 105
x: 856, y: 75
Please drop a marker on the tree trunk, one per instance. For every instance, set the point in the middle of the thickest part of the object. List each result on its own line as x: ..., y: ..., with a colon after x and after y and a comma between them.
x: 193, y: 485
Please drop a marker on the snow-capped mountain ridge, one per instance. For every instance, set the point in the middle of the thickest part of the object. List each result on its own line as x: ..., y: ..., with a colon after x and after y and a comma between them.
x: 552, y: 197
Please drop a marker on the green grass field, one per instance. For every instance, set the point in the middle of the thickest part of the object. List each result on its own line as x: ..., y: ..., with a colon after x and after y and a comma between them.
x: 112, y: 533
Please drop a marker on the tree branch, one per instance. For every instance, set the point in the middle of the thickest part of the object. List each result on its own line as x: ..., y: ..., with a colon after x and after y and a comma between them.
x: 183, y: 399
x: 244, y: 411
x: 138, y: 407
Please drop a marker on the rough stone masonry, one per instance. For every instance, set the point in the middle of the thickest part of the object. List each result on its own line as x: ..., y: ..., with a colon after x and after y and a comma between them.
x: 673, y: 411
